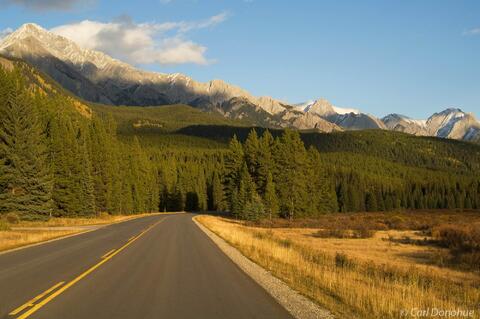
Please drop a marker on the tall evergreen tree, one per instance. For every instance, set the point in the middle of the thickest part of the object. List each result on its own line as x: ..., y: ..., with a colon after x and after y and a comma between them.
x: 270, y: 198
x: 25, y: 180
x: 218, y: 203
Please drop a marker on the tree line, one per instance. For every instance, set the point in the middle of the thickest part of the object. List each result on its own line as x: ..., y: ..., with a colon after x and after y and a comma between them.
x: 56, y: 162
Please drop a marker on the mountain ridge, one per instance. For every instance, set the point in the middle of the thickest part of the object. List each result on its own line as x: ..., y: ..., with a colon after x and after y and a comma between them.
x: 97, y: 77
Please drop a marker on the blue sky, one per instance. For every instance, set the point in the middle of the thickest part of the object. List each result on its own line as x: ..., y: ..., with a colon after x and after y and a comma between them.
x: 406, y: 56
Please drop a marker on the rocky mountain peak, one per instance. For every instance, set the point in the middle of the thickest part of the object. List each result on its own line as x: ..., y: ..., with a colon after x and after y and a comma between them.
x: 97, y: 77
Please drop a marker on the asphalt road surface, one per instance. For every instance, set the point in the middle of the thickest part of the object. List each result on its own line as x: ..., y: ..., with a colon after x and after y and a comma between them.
x: 160, y: 266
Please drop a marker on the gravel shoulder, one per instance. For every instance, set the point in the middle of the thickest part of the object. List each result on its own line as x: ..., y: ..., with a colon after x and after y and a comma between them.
x: 299, y: 306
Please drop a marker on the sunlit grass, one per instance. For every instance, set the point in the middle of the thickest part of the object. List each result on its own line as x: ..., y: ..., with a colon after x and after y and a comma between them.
x: 17, y: 238
x: 331, y: 272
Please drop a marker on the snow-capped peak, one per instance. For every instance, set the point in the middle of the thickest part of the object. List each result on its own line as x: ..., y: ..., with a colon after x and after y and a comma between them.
x: 59, y: 46
x: 400, y: 117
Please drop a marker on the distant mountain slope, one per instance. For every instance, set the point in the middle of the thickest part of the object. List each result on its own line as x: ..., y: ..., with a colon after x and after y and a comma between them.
x: 96, y: 77
x: 451, y: 123
x: 184, y: 127
x: 39, y: 82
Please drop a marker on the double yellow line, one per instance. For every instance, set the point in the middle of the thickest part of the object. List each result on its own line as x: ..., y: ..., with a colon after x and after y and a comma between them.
x: 109, y: 255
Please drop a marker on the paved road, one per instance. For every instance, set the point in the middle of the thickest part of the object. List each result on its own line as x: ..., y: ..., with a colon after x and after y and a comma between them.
x: 152, y: 267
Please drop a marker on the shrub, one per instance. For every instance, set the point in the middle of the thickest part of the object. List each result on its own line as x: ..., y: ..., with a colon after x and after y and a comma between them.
x: 34, y: 217
x: 363, y: 232
x: 342, y: 261
x: 332, y: 233
x: 104, y: 215
x: 4, y: 225
x: 463, y: 242
x: 457, y: 237
x: 395, y: 222
x: 12, y: 218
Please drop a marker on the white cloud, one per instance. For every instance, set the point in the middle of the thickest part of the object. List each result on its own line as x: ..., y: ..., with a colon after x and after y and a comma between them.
x: 5, y: 32
x: 474, y: 31
x: 142, y: 43
x: 45, y: 5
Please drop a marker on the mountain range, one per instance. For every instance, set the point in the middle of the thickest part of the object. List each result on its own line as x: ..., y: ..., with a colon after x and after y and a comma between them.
x: 99, y: 78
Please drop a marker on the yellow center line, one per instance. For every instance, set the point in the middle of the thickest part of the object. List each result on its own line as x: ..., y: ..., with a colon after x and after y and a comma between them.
x: 83, y: 275
x: 31, y: 302
x: 108, y: 253
x: 131, y: 238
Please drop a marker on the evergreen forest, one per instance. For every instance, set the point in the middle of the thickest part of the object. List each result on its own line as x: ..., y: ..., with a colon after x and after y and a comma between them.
x: 60, y: 156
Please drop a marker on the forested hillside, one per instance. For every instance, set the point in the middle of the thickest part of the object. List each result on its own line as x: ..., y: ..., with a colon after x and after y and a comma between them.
x: 63, y: 157
x: 59, y: 158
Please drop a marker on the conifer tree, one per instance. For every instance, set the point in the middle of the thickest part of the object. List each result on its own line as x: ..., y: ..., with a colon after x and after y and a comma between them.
x: 270, y: 198
x: 217, y: 193
x: 25, y: 180
x: 291, y: 174
x: 234, y: 161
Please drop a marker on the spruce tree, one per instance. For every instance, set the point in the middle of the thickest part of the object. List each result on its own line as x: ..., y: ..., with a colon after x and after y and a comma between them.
x: 25, y: 180
x: 291, y: 174
x: 270, y: 198
x: 217, y: 193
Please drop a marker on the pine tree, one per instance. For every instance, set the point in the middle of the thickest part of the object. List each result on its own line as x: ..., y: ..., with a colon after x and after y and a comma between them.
x: 251, y: 149
x: 25, y: 180
x: 291, y: 174
x: 371, y: 202
x: 234, y: 161
x: 265, y: 161
x: 270, y: 198
x: 217, y: 193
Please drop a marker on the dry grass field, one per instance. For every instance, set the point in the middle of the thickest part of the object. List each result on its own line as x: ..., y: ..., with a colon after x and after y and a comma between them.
x: 102, y: 219
x: 16, y: 238
x: 16, y: 233
x: 374, y: 277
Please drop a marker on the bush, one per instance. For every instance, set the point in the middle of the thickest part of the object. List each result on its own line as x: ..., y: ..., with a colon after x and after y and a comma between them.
x: 333, y: 233
x: 459, y: 238
x: 363, y: 232
x: 463, y: 242
x: 104, y: 215
x: 4, y: 225
x: 396, y: 222
x: 342, y: 261
x: 34, y: 217
x: 12, y: 218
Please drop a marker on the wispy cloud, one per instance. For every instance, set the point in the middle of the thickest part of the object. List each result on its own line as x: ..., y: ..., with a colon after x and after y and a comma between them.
x: 143, y: 43
x: 47, y: 5
x: 474, y: 31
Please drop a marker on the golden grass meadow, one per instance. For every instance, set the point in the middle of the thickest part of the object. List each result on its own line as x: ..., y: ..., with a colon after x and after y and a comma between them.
x: 16, y: 233
x: 376, y: 277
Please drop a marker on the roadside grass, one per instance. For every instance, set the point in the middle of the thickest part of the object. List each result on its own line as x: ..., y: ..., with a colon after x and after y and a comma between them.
x: 354, y: 278
x: 18, y: 232
x: 101, y: 219
x: 17, y: 238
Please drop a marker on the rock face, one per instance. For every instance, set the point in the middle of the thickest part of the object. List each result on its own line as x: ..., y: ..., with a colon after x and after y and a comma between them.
x: 451, y: 123
x: 349, y: 119
x: 96, y: 77
x: 402, y: 123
